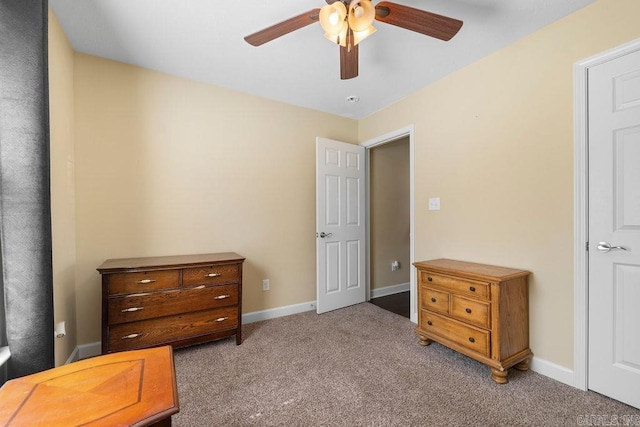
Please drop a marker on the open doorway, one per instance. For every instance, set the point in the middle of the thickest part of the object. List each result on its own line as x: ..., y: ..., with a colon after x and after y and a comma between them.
x: 390, y: 224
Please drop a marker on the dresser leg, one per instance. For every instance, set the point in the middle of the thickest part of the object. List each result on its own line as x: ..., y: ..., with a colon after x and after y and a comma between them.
x: 524, y: 365
x: 499, y: 376
x: 423, y: 340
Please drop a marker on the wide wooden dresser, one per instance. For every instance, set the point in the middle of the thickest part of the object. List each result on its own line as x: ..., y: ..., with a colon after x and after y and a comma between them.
x: 177, y: 300
x: 479, y: 310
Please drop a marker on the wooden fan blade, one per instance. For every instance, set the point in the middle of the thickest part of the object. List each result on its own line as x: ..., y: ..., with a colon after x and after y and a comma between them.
x: 427, y: 23
x: 282, y: 28
x: 348, y: 62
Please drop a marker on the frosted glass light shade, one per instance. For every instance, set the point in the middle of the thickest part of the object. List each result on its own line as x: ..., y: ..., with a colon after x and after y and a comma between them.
x: 358, y: 36
x: 332, y: 18
x: 339, y: 38
x: 361, y: 15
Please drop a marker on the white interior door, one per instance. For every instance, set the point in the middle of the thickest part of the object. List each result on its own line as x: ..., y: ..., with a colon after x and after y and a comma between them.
x: 340, y: 224
x: 614, y: 228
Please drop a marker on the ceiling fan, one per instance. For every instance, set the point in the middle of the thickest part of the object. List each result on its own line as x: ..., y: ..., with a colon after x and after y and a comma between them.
x: 348, y: 22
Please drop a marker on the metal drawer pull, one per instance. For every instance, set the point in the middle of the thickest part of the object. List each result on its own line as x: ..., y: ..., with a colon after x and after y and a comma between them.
x: 471, y: 339
x: 130, y: 336
x: 222, y: 297
x: 221, y: 319
x: 213, y: 275
x: 137, y: 295
x: 472, y: 289
x: 468, y: 310
x: 430, y: 279
x: 199, y: 287
x: 429, y: 322
x: 433, y: 299
x: 145, y: 281
x: 129, y: 310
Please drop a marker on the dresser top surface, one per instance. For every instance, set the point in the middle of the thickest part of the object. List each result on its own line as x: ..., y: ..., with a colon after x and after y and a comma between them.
x: 174, y: 261
x: 471, y: 269
x: 126, y: 388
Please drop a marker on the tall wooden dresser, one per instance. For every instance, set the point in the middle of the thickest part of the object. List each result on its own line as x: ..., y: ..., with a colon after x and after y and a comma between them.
x: 479, y: 310
x: 176, y: 300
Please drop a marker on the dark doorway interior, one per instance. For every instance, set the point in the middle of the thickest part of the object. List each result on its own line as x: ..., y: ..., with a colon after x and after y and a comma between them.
x: 397, y: 303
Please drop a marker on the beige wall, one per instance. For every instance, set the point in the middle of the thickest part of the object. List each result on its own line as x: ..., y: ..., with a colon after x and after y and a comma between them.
x: 495, y: 142
x: 63, y: 218
x: 169, y: 166
x: 390, y: 214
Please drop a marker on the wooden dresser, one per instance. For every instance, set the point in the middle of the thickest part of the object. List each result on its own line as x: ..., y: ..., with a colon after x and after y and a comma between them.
x: 479, y: 310
x: 176, y: 300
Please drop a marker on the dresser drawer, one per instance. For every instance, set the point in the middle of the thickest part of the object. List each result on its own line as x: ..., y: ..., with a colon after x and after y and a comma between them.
x: 152, y: 332
x: 134, y: 307
x: 211, y: 275
x: 435, y: 300
x: 465, y: 335
x: 457, y: 285
x: 471, y: 311
x: 147, y: 281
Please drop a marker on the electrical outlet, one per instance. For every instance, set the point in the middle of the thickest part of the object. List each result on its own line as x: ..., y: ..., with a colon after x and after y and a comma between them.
x: 395, y: 266
x: 265, y: 285
x: 434, y: 204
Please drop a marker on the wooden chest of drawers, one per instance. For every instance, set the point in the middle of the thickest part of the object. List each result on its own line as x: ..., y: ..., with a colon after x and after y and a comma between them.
x: 176, y: 300
x: 479, y: 310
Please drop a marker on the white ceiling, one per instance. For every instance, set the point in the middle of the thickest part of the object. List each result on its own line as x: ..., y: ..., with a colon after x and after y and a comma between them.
x: 203, y: 40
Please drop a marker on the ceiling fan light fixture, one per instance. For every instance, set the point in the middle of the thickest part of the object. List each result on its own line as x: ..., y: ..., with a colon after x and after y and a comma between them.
x: 361, y: 15
x: 348, y: 22
x: 332, y: 18
x: 339, y: 38
x: 358, y: 36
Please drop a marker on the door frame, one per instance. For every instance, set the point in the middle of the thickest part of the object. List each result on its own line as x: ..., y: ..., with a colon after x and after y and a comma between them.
x: 581, y: 207
x: 407, y: 131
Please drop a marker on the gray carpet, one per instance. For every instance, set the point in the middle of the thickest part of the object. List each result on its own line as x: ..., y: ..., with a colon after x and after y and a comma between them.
x: 362, y: 366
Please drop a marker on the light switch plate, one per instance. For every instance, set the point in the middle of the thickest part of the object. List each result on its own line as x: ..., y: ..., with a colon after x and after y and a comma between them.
x: 434, y: 204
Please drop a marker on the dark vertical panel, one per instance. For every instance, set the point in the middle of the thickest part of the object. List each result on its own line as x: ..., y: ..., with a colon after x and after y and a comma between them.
x: 25, y: 209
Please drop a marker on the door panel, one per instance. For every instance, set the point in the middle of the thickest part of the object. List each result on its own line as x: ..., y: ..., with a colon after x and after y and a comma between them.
x: 332, y: 261
x: 627, y: 200
x: 626, y: 317
x: 340, y: 224
x: 353, y: 263
x: 614, y: 220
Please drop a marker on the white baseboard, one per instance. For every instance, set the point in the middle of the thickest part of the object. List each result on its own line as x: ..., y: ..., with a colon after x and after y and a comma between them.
x: 390, y: 290
x: 89, y: 350
x: 553, y: 371
x: 273, y: 313
x: 74, y: 356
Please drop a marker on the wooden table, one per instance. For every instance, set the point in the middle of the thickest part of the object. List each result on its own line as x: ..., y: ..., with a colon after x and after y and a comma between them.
x: 131, y: 388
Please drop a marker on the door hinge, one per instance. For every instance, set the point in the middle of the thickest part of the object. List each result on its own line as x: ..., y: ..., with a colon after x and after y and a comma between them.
x: 587, y: 247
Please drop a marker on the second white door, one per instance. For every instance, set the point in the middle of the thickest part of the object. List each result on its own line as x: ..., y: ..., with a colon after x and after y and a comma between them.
x: 340, y: 224
x: 614, y: 228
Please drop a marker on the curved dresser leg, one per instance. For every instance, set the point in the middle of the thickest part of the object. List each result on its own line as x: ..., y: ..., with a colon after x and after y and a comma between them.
x: 524, y: 365
x: 499, y: 376
x: 423, y: 340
